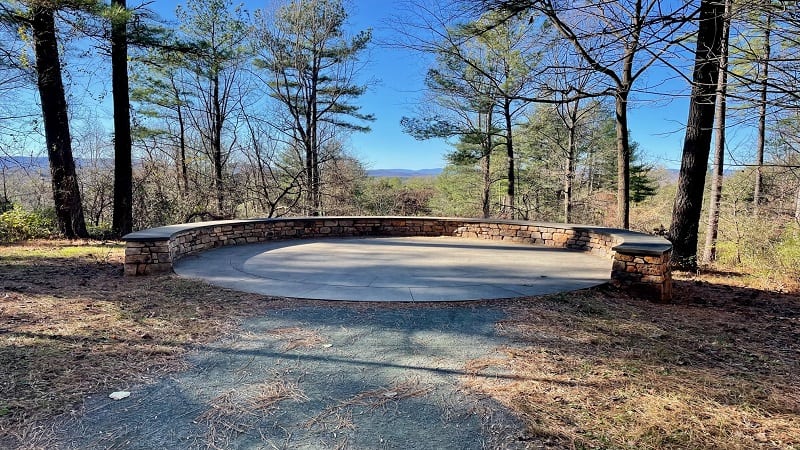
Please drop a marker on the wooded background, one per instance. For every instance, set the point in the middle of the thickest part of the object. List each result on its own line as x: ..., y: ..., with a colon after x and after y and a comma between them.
x: 228, y: 113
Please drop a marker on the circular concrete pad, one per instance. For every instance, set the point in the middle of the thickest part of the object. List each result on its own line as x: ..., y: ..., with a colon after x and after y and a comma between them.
x: 396, y: 269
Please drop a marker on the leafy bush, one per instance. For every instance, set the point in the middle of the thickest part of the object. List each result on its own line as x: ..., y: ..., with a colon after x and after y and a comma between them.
x: 17, y: 224
x: 102, y: 231
x: 789, y: 249
x: 765, y: 248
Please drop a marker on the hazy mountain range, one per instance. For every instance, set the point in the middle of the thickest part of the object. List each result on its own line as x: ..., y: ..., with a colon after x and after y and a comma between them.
x: 403, y: 173
x: 11, y: 163
x: 32, y: 163
x: 22, y: 162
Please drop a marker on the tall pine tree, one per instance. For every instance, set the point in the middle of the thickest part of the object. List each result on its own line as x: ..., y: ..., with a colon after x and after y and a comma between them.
x: 697, y: 142
x: 308, y: 65
x: 38, y: 16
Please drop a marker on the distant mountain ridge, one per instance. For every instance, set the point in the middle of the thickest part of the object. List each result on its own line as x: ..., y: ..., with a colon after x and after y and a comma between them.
x: 24, y: 162
x: 40, y: 162
x: 34, y: 162
x: 403, y: 173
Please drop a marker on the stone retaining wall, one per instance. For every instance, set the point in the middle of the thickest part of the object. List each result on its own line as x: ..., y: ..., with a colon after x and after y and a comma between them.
x: 640, y: 262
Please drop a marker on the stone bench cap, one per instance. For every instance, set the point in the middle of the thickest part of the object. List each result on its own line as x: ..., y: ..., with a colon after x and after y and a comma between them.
x: 632, y: 242
x: 166, y: 232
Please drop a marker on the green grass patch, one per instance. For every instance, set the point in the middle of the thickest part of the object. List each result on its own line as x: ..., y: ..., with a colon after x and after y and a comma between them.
x: 61, y: 251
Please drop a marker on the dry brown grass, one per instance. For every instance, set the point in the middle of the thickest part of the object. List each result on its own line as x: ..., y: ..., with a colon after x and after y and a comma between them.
x: 224, y: 418
x: 593, y: 369
x: 770, y: 279
x: 339, y: 416
x: 239, y: 411
x: 298, y: 337
x: 71, y: 324
x: 717, y: 370
x: 268, y: 395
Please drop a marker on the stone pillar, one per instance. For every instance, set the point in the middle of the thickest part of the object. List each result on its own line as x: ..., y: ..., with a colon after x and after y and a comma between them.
x: 147, y: 257
x: 649, y: 277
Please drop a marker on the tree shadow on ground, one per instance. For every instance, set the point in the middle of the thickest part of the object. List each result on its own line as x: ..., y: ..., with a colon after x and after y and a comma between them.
x: 717, y: 359
x: 715, y: 369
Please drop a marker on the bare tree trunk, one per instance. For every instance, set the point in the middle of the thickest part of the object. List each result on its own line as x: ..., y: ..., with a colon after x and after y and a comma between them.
x: 738, y: 232
x: 122, y: 222
x: 316, y: 196
x: 182, y: 146
x: 511, y: 192
x: 697, y: 142
x: 181, y: 135
x: 623, y: 160
x: 216, y: 144
x: 712, y: 228
x: 316, y: 183
x: 571, y: 121
x: 797, y: 205
x: 313, y: 169
x: 487, y: 184
x: 623, y: 79
x: 4, y: 203
x: 486, y: 165
x: 308, y: 195
x: 590, y: 176
x: 569, y: 175
x: 66, y: 192
x: 624, y: 84
x: 762, y: 114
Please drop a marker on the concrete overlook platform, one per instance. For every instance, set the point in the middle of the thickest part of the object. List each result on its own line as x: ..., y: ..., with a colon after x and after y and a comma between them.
x: 408, y: 269
x: 640, y: 263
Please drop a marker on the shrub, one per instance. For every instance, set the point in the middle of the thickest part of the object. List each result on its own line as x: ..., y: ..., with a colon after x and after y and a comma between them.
x: 17, y: 224
x: 101, y: 231
x: 789, y: 249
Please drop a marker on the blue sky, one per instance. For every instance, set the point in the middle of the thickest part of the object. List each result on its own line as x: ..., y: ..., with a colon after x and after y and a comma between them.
x: 397, y: 77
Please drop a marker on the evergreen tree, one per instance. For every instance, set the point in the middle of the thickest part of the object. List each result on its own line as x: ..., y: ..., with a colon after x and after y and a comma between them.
x: 630, y: 37
x: 122, y: 222
x: 477, y: 89
x: 463, y: 105
x: 697, y: 142
x: 217, y: 36
x: 38, y: 17
x: 308, y: 64
x: 547, y: 142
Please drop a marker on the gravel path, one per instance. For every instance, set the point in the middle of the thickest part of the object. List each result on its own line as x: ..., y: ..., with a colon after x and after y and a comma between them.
x: 317, y: 376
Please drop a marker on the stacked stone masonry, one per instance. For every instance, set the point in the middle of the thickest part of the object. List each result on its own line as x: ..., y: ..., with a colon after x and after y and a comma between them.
x: 640, y: 262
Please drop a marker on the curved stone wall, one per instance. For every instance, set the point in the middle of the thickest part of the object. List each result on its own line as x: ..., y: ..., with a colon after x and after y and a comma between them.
x: 640, y: 261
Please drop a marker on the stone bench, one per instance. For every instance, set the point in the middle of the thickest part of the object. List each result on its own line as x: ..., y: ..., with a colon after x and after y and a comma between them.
x: 641, y: 262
